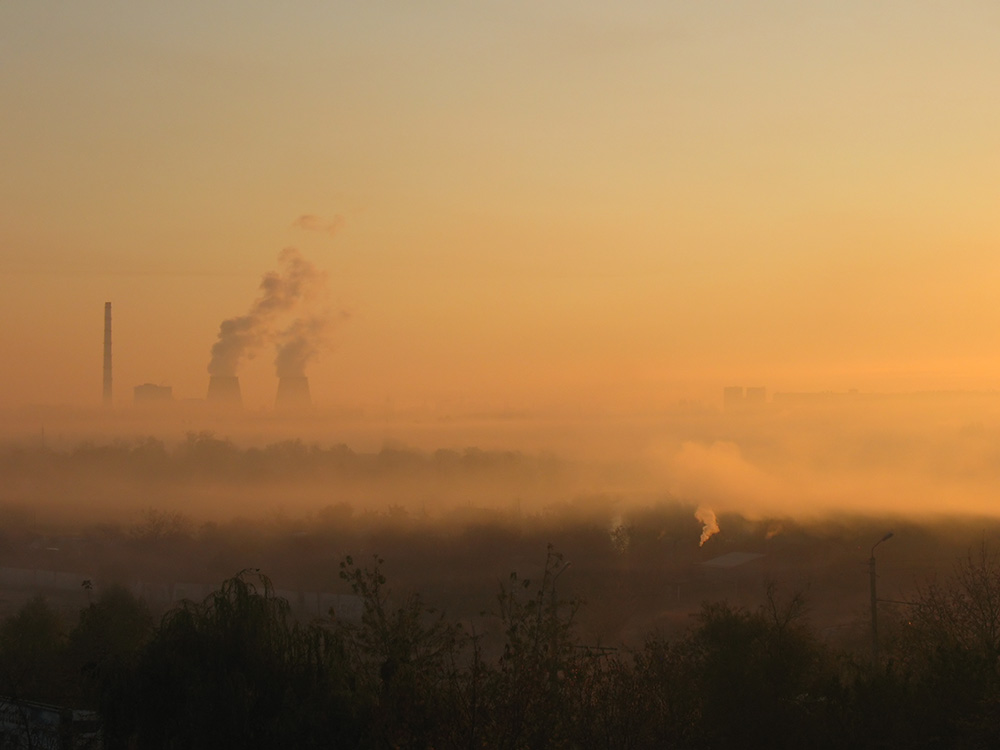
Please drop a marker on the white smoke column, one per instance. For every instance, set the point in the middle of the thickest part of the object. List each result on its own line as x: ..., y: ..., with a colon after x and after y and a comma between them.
x: 619, y: 533
x: 710, y: 524
x: 298, y: 344
x: 280, y: 292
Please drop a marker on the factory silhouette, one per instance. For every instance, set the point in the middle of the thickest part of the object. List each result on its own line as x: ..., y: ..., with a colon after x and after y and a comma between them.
x: 290, y: 313
x: 287, y: 313
x: 223, y: 390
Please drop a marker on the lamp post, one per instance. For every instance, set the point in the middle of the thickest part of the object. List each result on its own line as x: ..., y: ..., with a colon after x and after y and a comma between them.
x: 555, y: 626
x: 554, y: 579
x: 871, y: 578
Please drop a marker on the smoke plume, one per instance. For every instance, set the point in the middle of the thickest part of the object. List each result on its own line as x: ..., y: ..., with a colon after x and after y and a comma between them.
x: 313, y: 223
x: 280, y: 292
x: 710, y: 524
x: 298, y: 344
x: 301, y: 341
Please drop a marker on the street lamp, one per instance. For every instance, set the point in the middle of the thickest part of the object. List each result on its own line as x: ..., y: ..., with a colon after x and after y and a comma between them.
x: 554, y: 579
x: 555, y: 624
x: 871, y: 577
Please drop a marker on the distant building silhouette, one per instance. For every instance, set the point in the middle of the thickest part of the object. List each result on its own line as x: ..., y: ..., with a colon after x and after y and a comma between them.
x: 31, y: 724
x: 822, y: 398
x: 148, y: 394
x: 736, y: 397
x: 732, y: 397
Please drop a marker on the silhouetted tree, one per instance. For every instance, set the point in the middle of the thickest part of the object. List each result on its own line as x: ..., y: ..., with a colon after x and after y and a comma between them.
x: 32, y: 646
x: 945, y: 666
x: 403, y: 658
x: 540, y: 667
x: 233, y: 671
x: 760, y: 677
x: 103, y: 648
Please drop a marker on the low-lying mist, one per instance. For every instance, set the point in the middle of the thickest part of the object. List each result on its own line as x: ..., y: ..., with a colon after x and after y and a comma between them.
x: 916, y: 456
x: 656, y: 513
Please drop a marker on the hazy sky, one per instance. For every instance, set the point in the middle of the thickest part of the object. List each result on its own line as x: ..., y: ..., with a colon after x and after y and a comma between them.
x: 520, y: 204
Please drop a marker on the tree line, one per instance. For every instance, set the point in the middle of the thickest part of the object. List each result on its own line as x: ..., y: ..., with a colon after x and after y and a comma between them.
x: 203, y: 454
x: 238, y: 670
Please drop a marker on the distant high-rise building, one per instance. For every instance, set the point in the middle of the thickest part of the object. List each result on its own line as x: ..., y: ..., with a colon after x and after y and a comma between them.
x: 736, y: 397
x: 732, y: 397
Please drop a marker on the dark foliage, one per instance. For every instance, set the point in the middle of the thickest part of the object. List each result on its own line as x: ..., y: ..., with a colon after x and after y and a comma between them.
x: 236, y: 670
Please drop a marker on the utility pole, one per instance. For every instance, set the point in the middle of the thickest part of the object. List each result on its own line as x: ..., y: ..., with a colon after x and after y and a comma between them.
x: 871, y: 578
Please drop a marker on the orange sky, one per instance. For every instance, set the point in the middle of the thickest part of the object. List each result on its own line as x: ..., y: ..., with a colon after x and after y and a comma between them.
x: 537, y: 205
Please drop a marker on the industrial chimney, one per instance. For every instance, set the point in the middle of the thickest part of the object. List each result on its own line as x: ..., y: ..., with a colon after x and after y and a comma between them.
x: 224, y: 391
x: 293, y: 393
x: 107, y: 355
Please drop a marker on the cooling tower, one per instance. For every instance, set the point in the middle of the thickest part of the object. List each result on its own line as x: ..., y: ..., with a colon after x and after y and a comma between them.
x: 293, y: 393
x: 224, y: 390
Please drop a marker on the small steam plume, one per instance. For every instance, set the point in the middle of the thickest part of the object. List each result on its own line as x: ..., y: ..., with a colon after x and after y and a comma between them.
x: 298, y: 344
x: 280, y: 292
x: 301, y: 341
x: 710, y: 524
x: 313, y: 223
x: 620, y: 536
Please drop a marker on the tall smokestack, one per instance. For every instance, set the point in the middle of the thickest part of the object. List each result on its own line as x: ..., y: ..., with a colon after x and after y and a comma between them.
x: 293, y: 393
x: 224, y: 391
x: 107, y: 354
